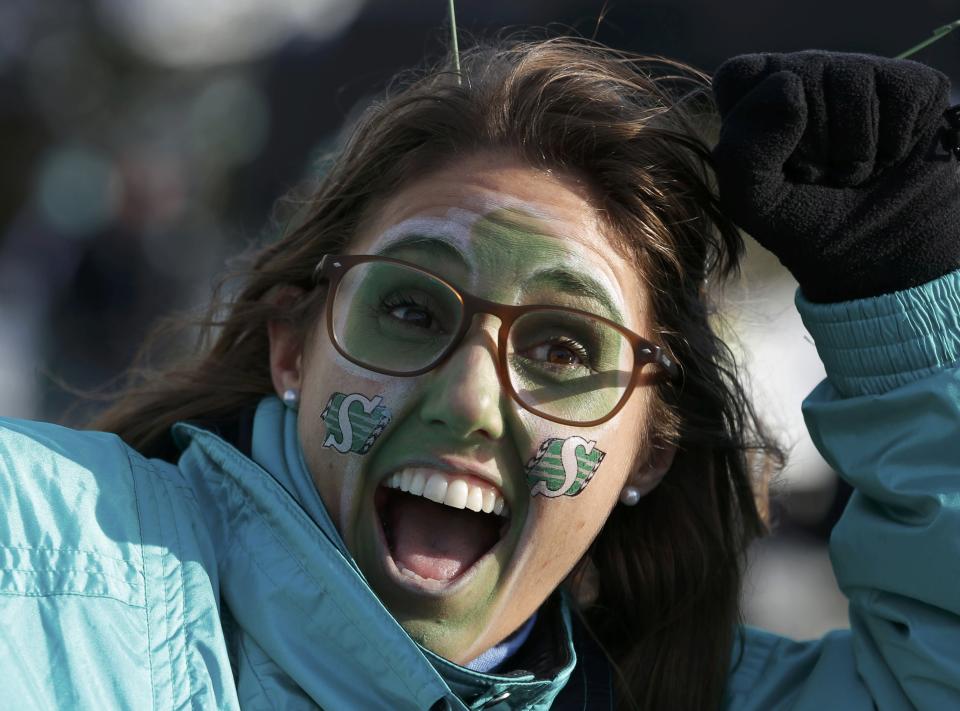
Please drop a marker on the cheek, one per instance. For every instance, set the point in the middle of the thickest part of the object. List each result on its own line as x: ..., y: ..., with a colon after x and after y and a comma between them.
x: 349, y: 407
x: 572, y: 479
x: 345, y: 411
x: 563, y: 466
x: 354, y: 421
x: 563, y: 463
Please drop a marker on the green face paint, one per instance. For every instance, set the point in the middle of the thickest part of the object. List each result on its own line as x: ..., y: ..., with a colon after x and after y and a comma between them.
x: 563, y: 467
x: 506, y: 242
x: 503, y: 251
x: 354, y: 422
x: 392, y: 317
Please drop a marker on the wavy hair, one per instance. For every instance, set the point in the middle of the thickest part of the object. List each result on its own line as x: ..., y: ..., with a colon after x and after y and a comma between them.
x: 662, y: 593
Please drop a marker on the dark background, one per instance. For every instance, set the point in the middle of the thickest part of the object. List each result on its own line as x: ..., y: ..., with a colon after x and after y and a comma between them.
x: 144, y: 141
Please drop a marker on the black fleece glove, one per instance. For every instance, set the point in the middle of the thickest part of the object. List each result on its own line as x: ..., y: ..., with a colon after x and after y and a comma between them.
x: 839, y: 165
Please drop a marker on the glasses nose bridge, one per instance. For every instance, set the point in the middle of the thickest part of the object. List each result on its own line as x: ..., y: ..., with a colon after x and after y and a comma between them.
x: 474, y: 306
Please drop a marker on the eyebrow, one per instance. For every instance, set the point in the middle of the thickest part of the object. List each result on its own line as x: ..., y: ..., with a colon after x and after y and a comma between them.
x: 435, y: 245
x: 562, y: 278
x: 579, y: 284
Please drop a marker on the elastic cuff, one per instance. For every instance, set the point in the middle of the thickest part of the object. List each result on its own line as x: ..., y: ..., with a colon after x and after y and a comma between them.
x: 870, y: 346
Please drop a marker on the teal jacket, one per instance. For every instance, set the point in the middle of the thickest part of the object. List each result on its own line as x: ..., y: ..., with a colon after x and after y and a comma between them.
x: 221, y: 583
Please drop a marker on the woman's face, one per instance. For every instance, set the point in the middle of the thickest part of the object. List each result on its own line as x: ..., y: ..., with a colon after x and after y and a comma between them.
x: 460, y: 580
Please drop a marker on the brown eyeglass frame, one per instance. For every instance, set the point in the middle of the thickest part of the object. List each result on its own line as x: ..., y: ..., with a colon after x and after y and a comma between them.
x: 332, y: 268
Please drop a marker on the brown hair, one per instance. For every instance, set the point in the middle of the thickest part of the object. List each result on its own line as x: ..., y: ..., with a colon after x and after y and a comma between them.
x: 667, y: 571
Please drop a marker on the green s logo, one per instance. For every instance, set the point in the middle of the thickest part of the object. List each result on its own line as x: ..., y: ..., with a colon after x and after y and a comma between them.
x: 563, y: 467
x: 354, y: 422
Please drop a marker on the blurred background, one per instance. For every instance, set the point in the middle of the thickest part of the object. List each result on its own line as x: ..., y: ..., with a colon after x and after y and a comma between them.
x: 142, y: 142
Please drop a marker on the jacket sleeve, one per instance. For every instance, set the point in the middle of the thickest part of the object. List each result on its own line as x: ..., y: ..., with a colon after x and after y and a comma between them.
x: 106, y: 596
x: 887, y: 418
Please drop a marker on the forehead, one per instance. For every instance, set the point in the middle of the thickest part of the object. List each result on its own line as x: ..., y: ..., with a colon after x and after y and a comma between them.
x: 507, y: 221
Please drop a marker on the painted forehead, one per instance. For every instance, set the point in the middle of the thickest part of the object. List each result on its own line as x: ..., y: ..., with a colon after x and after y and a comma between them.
x: 508, y: 238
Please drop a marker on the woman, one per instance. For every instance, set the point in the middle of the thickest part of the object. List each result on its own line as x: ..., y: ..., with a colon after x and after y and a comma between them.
x: 466, y: 438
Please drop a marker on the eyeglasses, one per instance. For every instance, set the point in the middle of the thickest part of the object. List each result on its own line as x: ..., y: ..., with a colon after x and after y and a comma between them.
x: 562, y: 364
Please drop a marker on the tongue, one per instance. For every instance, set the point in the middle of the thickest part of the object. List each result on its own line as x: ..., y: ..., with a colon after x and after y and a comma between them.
x: 436, y: 541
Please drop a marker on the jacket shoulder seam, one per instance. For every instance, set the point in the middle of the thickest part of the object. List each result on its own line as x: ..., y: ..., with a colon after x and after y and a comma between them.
x: 146, y: 578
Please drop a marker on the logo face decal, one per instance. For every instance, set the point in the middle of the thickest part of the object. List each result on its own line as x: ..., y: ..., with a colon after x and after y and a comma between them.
x: 563, y: 467
x: 354, y: 422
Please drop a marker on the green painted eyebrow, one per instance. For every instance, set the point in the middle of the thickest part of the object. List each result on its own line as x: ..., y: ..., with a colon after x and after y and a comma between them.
x: 435, y: 245
x: 561, y: 278
x: 577, y: 284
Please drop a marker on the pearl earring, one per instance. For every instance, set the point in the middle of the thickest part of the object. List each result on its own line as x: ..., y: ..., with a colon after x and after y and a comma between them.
x: 629, y: 496
x: 291, y: 398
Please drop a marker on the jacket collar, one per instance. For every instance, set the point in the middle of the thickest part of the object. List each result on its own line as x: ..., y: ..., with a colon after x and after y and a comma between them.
x: 293, y: 587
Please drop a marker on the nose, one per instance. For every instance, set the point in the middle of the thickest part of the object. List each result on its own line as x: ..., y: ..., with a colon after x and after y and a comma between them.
x: 464, y: 394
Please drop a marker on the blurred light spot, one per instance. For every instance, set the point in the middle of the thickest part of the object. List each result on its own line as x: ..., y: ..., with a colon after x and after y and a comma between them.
x: 78, y: 191
x: 203, y: 32
x: 229, y: 122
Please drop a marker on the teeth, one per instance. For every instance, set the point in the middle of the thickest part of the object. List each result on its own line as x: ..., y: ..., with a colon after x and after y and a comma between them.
x: 436, y: 488
x: 428, y: 583
x: 489, y: 501
x: 474, y: 499
x: 448, y: 490
x: 418, y: 482
x: 457, y: 492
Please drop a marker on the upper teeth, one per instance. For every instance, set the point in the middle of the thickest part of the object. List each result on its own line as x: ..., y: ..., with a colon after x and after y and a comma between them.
x: 448, y: 490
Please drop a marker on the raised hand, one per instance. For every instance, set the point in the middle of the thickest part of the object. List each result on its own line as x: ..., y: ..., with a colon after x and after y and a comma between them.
x: 837, y: 164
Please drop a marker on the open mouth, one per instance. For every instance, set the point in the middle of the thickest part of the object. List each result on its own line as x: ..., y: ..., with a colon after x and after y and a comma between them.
x: 436, y: 526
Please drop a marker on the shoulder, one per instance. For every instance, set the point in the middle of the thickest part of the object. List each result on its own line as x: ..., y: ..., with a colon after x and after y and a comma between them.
x: 42, y: 446
x: 106, y: 569
x: 61, y: 474
x: 76, y: 501
x: 44, y: 460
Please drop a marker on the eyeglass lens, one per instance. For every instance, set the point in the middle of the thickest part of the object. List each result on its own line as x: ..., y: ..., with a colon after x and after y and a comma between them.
x: 391, y: 317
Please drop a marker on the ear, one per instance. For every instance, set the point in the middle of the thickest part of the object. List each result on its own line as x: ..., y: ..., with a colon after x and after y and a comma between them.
x: 285, y: 344
x: 656, y: 467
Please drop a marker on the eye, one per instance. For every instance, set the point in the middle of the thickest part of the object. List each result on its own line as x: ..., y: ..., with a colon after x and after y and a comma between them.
x: 560, y: 352
x: 413, y: 315
x: 409, y: 312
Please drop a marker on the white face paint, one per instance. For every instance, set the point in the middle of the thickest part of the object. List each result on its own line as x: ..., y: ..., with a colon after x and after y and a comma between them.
x: 497, y: 229
x: 456, y: 227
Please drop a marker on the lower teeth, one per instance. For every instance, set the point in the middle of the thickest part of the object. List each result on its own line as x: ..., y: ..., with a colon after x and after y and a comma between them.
x: 409, y: 573
x: 427, y: 582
